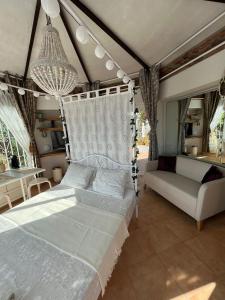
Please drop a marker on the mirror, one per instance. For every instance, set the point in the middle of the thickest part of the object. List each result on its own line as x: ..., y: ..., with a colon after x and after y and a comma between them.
x: 203, y: 127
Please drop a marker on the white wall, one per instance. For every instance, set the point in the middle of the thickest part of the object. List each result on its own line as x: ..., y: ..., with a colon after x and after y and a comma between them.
x: 171, y: 126
x: 203, y: 75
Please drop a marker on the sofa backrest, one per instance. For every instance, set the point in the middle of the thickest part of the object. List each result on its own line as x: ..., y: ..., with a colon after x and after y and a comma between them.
x: 191, y: 168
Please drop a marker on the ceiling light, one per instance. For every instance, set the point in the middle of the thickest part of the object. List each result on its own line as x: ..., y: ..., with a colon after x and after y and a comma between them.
x: 120, y: 73
x: 82, y: 34
x: 51, y: 8
x: 3, y: 86
x: 126, y: 79
x: 99, y: 51
x: 21, y: 91
x: 109, y: 65
x: 52, y: 71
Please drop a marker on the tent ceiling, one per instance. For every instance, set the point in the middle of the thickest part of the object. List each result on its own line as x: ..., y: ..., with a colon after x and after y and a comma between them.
x: 151, y: 30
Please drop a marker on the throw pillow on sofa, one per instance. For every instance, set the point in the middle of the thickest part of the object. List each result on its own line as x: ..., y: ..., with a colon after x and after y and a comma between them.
x: 212, y: 174
x: 167, y: 163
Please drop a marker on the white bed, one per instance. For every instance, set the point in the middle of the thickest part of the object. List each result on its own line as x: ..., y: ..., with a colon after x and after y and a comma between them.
x: 36, y: 263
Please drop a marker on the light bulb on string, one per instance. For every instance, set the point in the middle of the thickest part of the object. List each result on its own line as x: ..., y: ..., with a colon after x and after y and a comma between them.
x: 109, y: 65
x: 99, y: 51
x: 21, y: 91
x: 51, y: 8
x: 120, y: 73
x: 3, y: 86
x: 36, y: 94
x: 82, y: 34
x: 126, y: 79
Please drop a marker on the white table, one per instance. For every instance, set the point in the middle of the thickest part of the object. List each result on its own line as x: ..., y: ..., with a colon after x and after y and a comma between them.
x: 21, y: 174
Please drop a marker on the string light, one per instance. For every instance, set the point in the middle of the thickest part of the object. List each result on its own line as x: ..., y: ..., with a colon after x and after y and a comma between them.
x: 99, y: 51
x: 82, y: 34
x: 3, y: 86
x: 109, y: 65
x: 21, y: 91
x: 51, y: 8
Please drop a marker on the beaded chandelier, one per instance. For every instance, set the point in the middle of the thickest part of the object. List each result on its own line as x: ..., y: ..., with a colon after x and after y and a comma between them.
x: 52, y: 71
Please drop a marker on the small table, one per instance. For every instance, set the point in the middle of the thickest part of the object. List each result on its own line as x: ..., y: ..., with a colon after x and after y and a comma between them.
x: 14, y: 175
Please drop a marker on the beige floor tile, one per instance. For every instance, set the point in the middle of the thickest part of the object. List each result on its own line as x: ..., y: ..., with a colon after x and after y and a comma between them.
x: 152, y: 281
x: 161, y: 237
x: 210, y: 251
x: 185, y: 267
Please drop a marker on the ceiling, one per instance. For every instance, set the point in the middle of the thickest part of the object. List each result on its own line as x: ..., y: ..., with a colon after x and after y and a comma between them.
x: 151, y: 30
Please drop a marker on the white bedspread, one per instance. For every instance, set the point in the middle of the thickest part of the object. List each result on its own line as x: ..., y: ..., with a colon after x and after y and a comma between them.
x: 90, y: 237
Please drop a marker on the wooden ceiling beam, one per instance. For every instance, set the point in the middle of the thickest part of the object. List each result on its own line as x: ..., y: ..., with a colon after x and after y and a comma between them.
x: 206, y: 45
x: 32, y: 36
x: 220, y: 1
x: 108, y: 31
x: 76, y: 49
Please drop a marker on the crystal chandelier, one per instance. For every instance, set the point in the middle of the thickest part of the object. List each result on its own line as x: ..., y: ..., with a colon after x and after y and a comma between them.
x: 52, y: 71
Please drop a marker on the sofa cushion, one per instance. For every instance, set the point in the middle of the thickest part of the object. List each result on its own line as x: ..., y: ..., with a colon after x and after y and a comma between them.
x: 180, y: 190
x: 167, y: 163
x: 212, y: 174
x: 191, y: 168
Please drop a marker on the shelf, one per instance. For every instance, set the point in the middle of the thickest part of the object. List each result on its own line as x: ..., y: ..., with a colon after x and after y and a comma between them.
x: 51, y: 129
x: 49, y: 118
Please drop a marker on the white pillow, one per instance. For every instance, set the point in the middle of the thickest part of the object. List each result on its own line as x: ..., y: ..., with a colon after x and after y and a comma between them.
x: 110, y: 182
x: 78, y: 176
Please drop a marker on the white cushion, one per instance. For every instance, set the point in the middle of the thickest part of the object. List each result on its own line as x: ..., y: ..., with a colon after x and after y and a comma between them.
x: 180, y: 190
x: 191, y: 168
x: 110, y: 182
x: 78, y: 176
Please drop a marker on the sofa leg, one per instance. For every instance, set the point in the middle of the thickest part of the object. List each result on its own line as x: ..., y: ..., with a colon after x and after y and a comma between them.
x: 200, y: 225
x: 145, y: 186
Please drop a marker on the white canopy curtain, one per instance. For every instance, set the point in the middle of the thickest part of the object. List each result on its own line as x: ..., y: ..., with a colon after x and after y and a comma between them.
x: 100, y: 125
x: 10, y: 115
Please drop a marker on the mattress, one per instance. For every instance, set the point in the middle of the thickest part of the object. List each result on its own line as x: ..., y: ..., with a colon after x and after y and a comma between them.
x: 68, y: 278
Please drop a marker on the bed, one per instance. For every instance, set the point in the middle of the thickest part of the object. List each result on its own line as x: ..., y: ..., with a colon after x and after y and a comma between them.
x: 39, y: 260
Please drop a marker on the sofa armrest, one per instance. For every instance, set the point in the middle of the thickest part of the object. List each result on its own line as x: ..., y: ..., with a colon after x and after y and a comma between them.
x: 152, y: 165
x: 211, y: 199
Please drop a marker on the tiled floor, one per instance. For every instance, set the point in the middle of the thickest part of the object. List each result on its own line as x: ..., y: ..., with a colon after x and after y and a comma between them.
x: 165, y: 256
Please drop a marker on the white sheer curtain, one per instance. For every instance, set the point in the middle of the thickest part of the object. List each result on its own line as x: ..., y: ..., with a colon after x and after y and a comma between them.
x: 100, y: 126
x: 10, y: 115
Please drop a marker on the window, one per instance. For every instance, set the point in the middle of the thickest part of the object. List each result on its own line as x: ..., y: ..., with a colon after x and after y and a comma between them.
x: 9, y: 147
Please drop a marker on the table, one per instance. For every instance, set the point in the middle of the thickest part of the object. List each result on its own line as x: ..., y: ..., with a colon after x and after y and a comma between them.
x: 21, y: 174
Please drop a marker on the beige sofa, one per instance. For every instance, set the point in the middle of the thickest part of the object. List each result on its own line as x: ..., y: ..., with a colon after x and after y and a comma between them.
x: 184, y: 188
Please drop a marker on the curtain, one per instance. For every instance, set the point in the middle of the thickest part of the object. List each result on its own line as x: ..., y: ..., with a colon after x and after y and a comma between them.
x: 28, y: 108
x: 100, y: 126
x: 183, y: 106
x: 210, y: 104
x: 149, y: 85
x: 91, y: 86
x: 11, y: 116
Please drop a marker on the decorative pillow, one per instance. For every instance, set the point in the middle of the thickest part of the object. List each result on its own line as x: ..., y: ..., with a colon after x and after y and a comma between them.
x: 110, y: 182
x: 212, y: 174
x: 78, y: 176
x: 167, y: 163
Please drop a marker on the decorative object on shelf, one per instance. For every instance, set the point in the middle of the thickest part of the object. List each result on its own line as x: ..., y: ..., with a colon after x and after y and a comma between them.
x: 52, y: 71
x: 51, y: 8
x: 15, y: 162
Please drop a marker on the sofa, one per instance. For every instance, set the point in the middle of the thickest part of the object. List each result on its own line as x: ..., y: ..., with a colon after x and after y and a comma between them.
x: 184, y: 188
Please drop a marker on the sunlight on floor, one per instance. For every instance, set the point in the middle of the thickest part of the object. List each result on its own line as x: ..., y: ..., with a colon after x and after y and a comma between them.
x: 202, y: 293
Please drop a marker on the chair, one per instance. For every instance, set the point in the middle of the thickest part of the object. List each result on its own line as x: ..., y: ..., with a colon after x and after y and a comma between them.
x: 2, y: 196
x: 38, y: 182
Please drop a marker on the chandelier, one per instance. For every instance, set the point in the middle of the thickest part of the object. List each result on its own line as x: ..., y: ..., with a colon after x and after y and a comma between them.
x: 52, y: 71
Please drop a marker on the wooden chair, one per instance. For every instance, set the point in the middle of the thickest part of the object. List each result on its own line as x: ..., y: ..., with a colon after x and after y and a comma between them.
x: 37, y: 181
x: 4, y: 196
